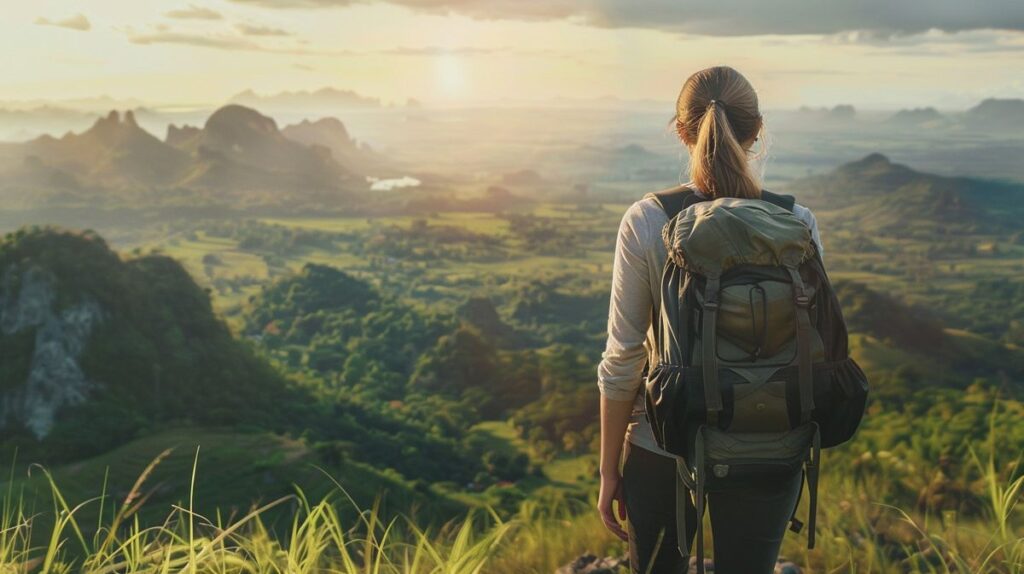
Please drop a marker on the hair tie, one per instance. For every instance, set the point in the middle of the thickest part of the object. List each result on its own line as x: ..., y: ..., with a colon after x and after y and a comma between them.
x: 712, y: 103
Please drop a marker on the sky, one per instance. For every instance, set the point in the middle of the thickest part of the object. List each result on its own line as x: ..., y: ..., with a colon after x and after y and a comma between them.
x: 882, y: 54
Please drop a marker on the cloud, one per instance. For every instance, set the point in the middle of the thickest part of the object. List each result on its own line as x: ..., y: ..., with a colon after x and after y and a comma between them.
x: 161, y: 35
x: 256, y: 30
x: 439, y: 51
x: 77, y: 22
x: 935, y: 42
x: 194, y: 12
x: 204, y: 41
x: 471, y: 51
x: 728, y: 17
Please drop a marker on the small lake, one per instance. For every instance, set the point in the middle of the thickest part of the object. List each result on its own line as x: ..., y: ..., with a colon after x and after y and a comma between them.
x: 377, y: 184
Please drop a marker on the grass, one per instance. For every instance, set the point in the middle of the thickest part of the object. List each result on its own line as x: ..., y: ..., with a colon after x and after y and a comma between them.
x: 235, y: 469
x: 858, y: 532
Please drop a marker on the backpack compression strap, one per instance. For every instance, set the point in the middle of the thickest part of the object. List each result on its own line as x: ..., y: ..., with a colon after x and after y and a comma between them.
x: 676, y: 199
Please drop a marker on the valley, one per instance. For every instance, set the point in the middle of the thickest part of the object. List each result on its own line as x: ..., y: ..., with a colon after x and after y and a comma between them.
x: 275, y: 321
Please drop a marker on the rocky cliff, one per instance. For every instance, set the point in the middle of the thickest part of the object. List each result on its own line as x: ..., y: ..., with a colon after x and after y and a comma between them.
x: 55, y: 378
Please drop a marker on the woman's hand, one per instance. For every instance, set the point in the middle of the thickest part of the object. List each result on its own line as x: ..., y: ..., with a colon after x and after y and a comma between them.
x: 614, y: 419
x: 611, y: 492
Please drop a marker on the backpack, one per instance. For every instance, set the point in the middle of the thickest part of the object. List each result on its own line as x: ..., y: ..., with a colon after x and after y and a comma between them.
x: 750, y: 376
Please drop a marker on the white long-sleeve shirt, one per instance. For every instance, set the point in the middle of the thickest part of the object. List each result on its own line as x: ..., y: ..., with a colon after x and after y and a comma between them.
x: 640, y: 256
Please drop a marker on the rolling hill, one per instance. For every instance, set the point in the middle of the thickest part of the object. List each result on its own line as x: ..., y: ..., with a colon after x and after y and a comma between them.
x: 878, y: 194
x: 98, y: 351
x: 235, y: 471
x: 97, y: 348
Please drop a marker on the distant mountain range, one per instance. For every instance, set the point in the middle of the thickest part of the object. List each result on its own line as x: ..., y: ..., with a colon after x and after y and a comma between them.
x: 997, y: 114
x: 841, y: 112
x: 876, y: 194
x: 238, y: 150
x: 917, y: 117
x: 322, y: 99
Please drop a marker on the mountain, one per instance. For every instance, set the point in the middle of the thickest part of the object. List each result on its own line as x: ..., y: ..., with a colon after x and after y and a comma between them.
x: 327, y: 132
x: 239, y: 148
x: 322, y: 99
x: 838, y: 113
x: 877, y: 194
x: 114, y: 152
x: 917, y: 117
x: 996, y: 114
x: 331, y: 133
x: 181, y: 137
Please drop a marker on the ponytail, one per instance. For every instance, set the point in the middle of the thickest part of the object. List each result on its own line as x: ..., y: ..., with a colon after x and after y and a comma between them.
x: 718, y: 163
x: 716, y: 113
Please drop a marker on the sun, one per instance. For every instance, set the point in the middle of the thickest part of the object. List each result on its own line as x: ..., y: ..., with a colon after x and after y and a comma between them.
x: 450, y: 75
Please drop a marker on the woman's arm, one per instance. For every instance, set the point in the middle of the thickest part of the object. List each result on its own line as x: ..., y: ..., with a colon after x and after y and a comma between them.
x: 614, y: 420
x: 618, y: 375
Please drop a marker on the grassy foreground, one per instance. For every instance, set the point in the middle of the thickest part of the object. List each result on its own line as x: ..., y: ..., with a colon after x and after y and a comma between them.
x: 857, y: 534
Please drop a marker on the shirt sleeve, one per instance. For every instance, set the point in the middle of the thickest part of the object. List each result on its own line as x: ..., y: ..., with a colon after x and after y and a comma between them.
x: 807, y: 216
x: 629, y: 311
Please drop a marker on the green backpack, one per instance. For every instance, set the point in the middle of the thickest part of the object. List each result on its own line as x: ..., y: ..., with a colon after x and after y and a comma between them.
x: 751, y: 375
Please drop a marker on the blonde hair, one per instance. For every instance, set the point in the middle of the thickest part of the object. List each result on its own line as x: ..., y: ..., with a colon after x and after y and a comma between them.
x: 717, y: 115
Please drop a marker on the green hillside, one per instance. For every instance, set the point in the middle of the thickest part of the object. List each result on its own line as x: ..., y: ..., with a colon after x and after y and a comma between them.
x: 878, y: 195
x: 235, y: 471
x: 101, y: 350
x: 137, y: 339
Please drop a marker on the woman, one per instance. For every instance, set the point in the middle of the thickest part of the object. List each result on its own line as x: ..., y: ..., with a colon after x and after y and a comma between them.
x: 718, y: 119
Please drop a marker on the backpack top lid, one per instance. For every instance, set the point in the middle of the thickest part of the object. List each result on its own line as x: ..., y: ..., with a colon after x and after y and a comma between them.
x: 711, y: 236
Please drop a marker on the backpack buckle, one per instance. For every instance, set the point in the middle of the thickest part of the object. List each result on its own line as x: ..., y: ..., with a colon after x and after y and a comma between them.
x: 802, y: 301
x: 711, y: 301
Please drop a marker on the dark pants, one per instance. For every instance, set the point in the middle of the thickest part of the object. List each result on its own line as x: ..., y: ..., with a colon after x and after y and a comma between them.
x: 747, y: 521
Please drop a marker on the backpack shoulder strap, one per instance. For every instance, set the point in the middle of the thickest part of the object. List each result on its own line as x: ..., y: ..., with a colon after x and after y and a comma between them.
x: 784, y: 201
x: 675, y: 199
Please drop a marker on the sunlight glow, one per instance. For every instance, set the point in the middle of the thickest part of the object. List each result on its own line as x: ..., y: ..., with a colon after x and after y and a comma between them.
x: 450, y: 76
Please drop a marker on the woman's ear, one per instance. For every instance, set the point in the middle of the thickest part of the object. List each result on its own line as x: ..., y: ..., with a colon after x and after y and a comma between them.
x: 757, y: 135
